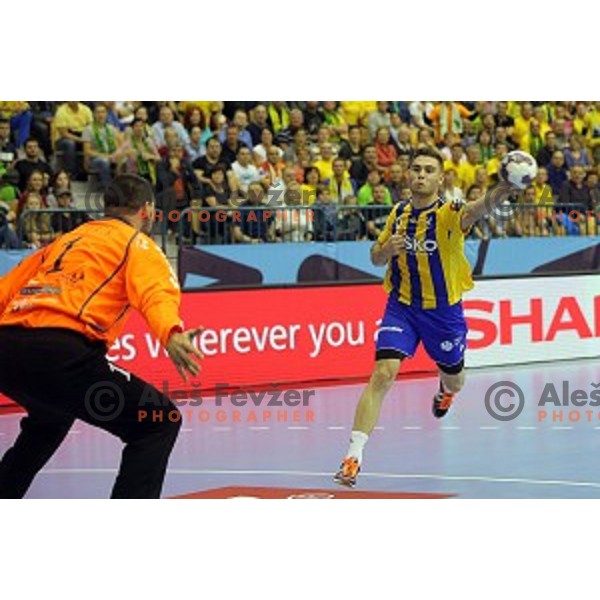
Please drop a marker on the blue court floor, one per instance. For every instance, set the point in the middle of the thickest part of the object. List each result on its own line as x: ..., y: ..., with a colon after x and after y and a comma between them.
x: 468, y: 454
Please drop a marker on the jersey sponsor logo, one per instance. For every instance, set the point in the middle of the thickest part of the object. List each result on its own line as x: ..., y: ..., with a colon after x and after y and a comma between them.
x: 415, y: 246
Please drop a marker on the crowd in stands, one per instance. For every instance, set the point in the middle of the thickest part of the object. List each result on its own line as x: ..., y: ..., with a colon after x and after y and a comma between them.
x: 345, y: 161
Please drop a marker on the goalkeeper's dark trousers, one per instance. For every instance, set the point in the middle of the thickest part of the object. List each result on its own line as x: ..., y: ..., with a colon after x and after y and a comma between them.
x: 57, y: 376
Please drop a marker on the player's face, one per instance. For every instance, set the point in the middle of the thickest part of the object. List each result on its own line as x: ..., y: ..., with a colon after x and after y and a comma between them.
x: 425, y: 176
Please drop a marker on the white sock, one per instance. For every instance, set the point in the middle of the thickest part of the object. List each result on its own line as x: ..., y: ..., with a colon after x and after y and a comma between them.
x: 358, y: 439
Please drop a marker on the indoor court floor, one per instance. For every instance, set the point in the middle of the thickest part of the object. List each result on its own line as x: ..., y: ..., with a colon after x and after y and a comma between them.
x: 468, y: 454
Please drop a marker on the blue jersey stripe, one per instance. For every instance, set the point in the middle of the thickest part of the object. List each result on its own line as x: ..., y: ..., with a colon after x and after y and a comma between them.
x: 435, y: 266
x: 411, y: 259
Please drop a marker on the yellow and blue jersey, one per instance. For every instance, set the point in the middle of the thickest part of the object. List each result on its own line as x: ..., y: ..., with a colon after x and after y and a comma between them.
x: 432, y: 271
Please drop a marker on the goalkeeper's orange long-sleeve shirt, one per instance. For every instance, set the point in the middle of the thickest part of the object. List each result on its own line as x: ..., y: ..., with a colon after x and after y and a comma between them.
x: 88, y: 279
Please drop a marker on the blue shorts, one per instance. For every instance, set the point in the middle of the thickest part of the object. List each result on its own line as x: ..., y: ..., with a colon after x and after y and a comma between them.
x: 443, y: 332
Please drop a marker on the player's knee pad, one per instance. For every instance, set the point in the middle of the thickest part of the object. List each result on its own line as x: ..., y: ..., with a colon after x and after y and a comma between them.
x: 452, y: 369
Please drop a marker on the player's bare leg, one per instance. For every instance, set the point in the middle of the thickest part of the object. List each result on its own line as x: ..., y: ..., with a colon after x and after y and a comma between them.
x: 366, y: 417
x: 450, y: 385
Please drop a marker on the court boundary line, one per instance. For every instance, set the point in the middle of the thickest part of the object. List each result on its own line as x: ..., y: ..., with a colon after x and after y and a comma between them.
x: 374, y: 475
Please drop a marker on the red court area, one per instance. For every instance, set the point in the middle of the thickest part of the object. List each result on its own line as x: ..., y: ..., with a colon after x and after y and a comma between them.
x: 275, y: 493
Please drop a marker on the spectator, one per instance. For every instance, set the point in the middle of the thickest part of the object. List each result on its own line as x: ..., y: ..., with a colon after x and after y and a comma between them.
x: 177, y: 185
x: 449, y: 140
x: 276, y: 191
x: 523, y: 122
x: 486, y: 150
x: 351, y: 225
x: 166, y: 120
x: 217, y: 194
x: 340, y: 185
x: 296, y: 122
x: 325, y: 163
x: 101, y: 145
x: 457, y: 157
x: 37, y: 230
x: 386, y: 153
x: 231, y: 145
x: 261, y: 150
x: 194, y: 117
x: 323, y: 137
x: 557, y: 172
x: 493, y: 165
x: 532, y: 141
x: 141, y: 153
x: 501, y: 135
x: 575, y: 191
x: 401, y: 139
x: 279, y: 116
x: 562, y: 135
x: 360, y: 170
x: 273, y: 167
x: 204, y: 165
x: 544, y: 156
x: 377, y: 212
x: 482, y: 180
x: 325, y: 216
x: 8, y: 237
x: 543, y: 192
x: 448, y: 116
x: 467, y: 170
x: 351, y: 149
x: 35, y: 186
x: 240, y: 122
x: 31, y: 162
x: 299, y: 142
x: 254, y: 224
x: 378, y: 119
x: 64, y: 222
x: 312, y: 119
x: 333, y: 118
x: 195, y: 149
x: 244, y: 170
x: 60, y: 181
x: 367, y: 191
x: 20, y: 116
x: 9, y: 192
x: 503, y: 119
x: 418, y: 113
x: 294, y: 221
x: 8, y: 151
x: 450, y: 191
x: 482, y: 229
x: 258, y: 124
x: 576, y: 154
x: 579, y: 122
x: 309, y: 189
x: 69, y: 122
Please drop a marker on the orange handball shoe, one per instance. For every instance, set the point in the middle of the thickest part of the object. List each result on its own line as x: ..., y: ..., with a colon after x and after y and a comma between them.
x: 349, y: 470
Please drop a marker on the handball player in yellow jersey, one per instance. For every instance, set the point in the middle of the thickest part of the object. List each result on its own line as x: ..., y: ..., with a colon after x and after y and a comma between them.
x: 427, y: 272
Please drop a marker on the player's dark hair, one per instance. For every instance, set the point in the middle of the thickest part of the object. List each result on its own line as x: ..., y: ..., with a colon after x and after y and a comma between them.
x: 127, y: 194
x: 431, y: 153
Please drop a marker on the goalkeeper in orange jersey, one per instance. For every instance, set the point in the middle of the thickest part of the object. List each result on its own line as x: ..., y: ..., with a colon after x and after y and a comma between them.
x: 60, y: 310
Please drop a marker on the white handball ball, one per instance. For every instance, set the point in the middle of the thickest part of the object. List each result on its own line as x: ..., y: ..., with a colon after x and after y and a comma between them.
x: 519, y: 169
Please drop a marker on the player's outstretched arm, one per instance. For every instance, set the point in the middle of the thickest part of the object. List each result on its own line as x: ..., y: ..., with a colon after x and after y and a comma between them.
x: 473, y: 211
